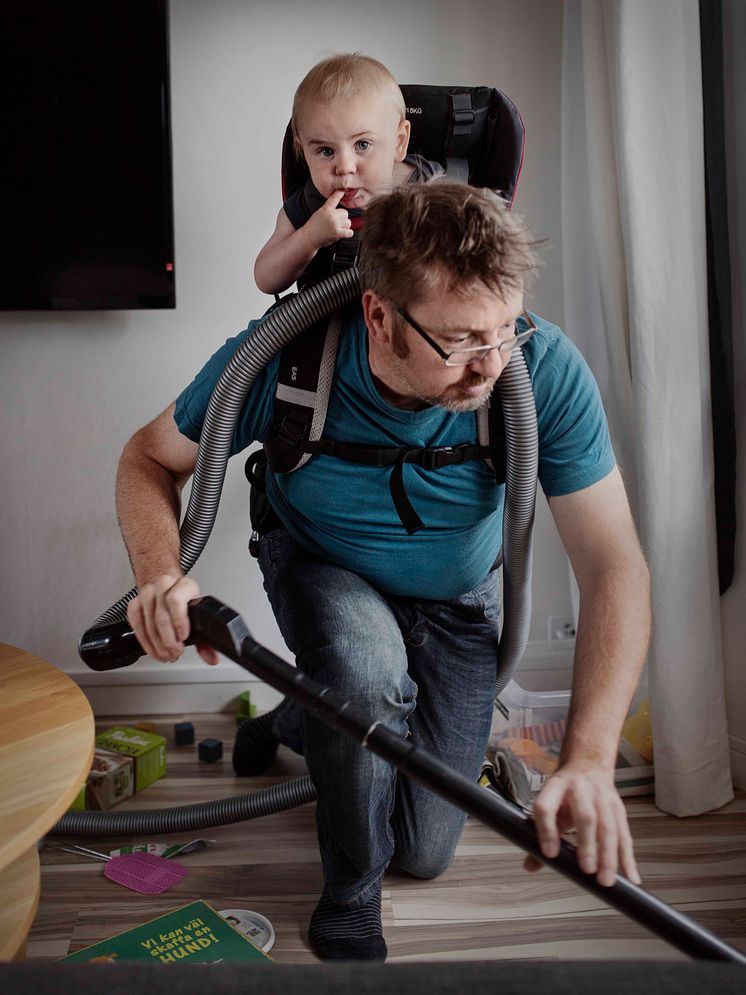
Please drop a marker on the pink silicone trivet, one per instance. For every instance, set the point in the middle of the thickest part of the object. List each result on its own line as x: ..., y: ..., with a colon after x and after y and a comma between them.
x: 144, y: 872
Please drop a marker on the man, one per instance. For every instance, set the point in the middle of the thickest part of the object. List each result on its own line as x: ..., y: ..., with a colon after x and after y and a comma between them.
x: 406, y: 625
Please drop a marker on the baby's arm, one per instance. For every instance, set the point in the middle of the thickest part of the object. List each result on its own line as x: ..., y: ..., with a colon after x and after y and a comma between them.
x: 290, y: 250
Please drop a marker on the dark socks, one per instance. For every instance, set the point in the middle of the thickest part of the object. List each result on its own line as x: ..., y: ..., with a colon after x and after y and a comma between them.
x: 340, y: 933
x: 255, y: 745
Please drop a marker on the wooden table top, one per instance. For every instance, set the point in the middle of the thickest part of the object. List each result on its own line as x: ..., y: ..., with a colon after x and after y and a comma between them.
x: 46, y: 748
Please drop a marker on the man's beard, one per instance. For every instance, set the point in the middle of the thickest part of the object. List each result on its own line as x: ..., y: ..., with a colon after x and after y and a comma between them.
x: 454, y: 404
x: 458, y: 404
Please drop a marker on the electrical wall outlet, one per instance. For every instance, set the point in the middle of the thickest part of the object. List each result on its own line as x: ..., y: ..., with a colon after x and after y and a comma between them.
x: 560, y: 627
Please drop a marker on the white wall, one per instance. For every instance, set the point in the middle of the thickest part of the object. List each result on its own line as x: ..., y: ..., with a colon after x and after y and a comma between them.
x: 74, y: 386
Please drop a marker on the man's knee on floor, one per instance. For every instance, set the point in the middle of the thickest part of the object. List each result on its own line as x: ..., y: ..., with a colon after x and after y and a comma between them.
x: 424, y: 863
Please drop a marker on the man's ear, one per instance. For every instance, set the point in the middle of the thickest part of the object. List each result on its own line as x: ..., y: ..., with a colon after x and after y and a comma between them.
x: 377, y: 316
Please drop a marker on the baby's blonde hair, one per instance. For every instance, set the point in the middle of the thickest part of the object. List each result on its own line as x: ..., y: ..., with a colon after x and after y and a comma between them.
x: 343, y: 76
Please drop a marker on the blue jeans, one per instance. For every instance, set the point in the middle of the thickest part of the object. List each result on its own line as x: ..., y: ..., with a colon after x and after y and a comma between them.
x: 426, y: 669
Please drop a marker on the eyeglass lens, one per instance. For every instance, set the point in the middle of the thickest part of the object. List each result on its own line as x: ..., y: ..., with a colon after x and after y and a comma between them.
x: 465, y: 356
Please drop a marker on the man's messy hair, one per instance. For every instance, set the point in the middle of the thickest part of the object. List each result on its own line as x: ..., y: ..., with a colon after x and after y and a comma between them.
x: 344, y: 76
x: 423, y: 236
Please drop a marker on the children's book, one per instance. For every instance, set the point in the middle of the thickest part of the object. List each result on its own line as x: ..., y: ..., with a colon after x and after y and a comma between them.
x: 194, y: 932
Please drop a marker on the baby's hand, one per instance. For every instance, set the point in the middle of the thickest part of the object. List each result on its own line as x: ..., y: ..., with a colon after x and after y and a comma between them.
x: 329, y: 223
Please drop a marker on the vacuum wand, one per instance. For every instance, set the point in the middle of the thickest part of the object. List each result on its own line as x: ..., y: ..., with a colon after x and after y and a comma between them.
x: 214, y: 623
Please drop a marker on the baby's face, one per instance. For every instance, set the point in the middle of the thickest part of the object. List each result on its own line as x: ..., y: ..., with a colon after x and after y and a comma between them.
x: 353, y: 145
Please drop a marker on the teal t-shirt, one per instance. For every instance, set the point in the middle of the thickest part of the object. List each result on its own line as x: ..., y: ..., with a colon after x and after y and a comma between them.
x: 344, y: 512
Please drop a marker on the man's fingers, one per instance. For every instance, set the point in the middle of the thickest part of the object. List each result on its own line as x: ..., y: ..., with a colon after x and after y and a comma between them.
x: 159, y: 615
x: 586, y: 827
x: 163, y: 631
x: 208, y: 654
x: 148, y: 631
x: 589, y: 804
x: 627, y: 855
x: 545, y: 819
x: 609, y: 843
x: 177, y: 599
x: 169, y: 613
x: 135, y: 617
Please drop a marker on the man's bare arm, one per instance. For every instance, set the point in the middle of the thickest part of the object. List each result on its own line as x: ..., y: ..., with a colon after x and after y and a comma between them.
x: 598, y: 533
x: 153, y: 469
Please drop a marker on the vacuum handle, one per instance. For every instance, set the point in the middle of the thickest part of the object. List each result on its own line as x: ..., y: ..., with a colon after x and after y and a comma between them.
x: 110, y: 647
x: 113, y: 646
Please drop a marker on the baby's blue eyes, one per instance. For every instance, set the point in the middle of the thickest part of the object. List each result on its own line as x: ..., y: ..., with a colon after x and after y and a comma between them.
x: 362, y: 145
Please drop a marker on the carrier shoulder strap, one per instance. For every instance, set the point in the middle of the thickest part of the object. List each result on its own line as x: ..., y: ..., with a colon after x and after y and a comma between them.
x: 491, y: 433
x: 461, y: 126
x: 304, y: 382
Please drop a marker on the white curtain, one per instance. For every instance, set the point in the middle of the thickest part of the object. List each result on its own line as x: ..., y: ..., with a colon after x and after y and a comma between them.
x: 635, y: 285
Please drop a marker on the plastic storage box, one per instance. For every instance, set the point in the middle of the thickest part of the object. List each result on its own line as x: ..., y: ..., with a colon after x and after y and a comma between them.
x: 534, y: 727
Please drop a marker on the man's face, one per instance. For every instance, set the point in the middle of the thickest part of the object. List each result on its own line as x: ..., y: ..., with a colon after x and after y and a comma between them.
x: 353, y: 145
x: 411, y: 371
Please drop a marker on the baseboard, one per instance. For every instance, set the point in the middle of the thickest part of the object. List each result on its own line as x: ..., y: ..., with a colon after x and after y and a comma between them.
x: 190, y: 686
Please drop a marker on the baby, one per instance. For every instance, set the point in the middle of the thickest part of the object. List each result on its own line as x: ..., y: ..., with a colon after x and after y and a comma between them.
x: 349, y: 124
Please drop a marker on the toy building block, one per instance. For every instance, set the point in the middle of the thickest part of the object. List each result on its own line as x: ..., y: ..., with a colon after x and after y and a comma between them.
x: 210, y: 750
x: 184, y: 733
x: 246, y: 709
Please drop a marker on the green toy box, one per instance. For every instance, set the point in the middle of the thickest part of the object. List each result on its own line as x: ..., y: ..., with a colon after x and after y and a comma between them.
x: 110, y: 781
x: 147, y: 750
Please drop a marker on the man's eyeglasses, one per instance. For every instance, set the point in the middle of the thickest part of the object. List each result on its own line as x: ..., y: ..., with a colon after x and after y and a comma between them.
x: 472, y: 354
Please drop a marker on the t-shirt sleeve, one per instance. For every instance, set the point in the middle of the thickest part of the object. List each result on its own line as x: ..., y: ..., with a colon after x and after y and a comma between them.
x: 256, y: 414
x: 575, y: 449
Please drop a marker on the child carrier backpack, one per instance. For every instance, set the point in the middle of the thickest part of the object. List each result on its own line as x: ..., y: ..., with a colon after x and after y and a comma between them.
x: 477, y: 135
x: 474, y: 132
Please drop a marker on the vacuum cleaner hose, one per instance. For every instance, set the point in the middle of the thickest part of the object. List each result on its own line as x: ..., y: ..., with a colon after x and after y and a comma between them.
x: 188, y: 818
x: 277, y: 328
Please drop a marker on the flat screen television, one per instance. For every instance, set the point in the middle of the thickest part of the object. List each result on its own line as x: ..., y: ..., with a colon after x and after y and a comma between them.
x: 87, y: 207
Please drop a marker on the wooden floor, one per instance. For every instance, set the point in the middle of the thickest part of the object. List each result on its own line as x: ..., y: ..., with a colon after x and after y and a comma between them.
x: 485, y: 907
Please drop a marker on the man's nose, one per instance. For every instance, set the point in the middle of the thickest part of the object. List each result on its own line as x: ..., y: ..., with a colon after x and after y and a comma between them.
x: 491, y: 365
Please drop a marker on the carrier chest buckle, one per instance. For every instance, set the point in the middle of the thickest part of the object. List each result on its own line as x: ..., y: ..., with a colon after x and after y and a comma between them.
x: 440, y: 456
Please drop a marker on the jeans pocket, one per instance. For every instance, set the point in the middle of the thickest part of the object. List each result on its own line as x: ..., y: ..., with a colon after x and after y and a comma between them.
x: 416, y: 634
x: 271, y: 552
x: 488, y: 598
x: 274, y: 546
